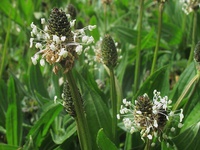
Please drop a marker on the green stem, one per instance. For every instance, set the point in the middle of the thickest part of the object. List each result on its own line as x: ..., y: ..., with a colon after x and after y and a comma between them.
x: 148, y: 144
x: 114, y: 104
x: 128, y: 141
x: 106, y: 18
x: 161, y: 5
x: 137, y: 65
x: 82, y: 126
x: 195, y: 78
x: 193, y: 37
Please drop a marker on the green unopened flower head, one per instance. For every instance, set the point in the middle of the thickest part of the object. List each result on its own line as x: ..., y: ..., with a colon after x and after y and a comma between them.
x: 197, y: 53
x: 68, y: 100
x: 72, y: 11
x: 109, y: 52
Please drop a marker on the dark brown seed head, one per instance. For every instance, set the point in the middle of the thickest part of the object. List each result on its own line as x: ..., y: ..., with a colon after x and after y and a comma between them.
x: 143, y: 105
x: 72, y: 11
x: 58, y: 23
x: 197, y: 52
x: 68, y: 100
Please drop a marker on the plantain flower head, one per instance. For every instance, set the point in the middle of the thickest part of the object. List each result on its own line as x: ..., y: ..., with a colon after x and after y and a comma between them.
x: 149, y: 117
x: 57, y: 43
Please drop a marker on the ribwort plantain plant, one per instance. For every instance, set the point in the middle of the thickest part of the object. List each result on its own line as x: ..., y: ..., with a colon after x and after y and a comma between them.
x: 61, y: 49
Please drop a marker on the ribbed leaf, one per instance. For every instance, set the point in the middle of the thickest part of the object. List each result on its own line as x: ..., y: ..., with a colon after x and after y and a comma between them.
x: 189, y: 139
x: 26, y: 7
x: 159, y: 81
x: 11, y: 125
x: 192, y: 118
x: 125, y: 34
x: 7, y: 147
x: 36, y: 82
x: 60, y: 134
x: 129, y: 35
x: 13, y: 117
x: 184, y: 79
x: 7, y: 8
x: 97, y: 113
x: 147, y: 41
x: 41, y: 127
x: 104, y: 142
x: 3, y: 102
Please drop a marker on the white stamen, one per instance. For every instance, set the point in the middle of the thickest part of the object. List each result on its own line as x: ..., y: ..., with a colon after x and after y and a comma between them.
x: 46, y: 28
x: 55, y: 99
x: 181, y: 115
x: 85, y: 39
x: 52, y: 47
x: 42, y: 20
x: 132, y: 130
x: 38, y: 45
x: 79, y: 49
x: 172, y: 129
x: 56, y: 39
x: 63, y: 53
x: 180, y: 125
x: 139, y: 112
x: 31, y: 42
x: 42, y: 62
x: 149, y: 137
x: 72, y: 23
x: 33, y: 25
x: 124, y: 101
x: 90, y: 27
x: 63, y: 38
x: 155, y: 124
x: 34, y: 59
x: 47, y: 36
x: 90, y: 40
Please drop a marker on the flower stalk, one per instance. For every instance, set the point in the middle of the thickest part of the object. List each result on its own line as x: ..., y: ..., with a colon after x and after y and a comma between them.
x: 193, y: 37
x: 161, y: 6
x: 148, y: 145
x: 138, y: 51
x: 82, y: 125
x: 109, y: 58
x: 114, y: 104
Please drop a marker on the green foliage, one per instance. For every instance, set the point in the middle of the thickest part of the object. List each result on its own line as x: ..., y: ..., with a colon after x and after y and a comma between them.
x: 104, y: 142
x: 32, y: 119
